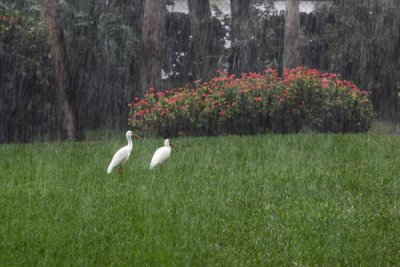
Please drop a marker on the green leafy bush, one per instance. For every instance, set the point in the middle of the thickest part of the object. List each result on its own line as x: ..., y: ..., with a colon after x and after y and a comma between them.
x: 255, y: 103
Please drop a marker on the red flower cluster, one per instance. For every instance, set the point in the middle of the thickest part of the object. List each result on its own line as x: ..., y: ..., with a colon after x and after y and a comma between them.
x: 255, y: 103
x: 12, y: 20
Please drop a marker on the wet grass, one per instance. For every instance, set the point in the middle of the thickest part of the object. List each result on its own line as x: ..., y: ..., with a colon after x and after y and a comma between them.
x: 327, y: 200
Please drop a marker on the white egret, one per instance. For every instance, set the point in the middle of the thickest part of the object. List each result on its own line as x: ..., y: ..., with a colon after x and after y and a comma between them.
x: 161, y: 154
x: 122, y: 155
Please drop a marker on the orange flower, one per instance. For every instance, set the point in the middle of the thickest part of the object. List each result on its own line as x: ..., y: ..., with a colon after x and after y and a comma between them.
x: 333, y: 76
x: 184, y: 107
x: 325, y: 82
x: 160, y: 94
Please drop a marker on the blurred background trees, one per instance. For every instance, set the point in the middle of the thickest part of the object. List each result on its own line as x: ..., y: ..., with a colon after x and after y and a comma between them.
x: 200, y: 17
x: 115, y: 50
x: 240, y: 37
x: 152, y: 44
x: 363, y: 40
x: 291, y: 53
x: 51, y: 18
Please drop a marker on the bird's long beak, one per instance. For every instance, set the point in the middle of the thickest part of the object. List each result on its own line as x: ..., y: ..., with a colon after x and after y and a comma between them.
x: 137, y: 136
x: 172, y: 145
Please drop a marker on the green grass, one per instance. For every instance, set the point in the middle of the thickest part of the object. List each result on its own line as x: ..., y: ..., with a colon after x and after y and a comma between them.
x: 272, y: 200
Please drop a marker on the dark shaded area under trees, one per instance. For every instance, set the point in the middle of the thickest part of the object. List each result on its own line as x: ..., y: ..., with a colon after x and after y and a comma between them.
x: 360, y: 40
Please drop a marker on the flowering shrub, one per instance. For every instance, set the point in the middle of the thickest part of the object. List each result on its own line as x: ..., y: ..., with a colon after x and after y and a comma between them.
x: 7, y: 22
x: 255, y: 103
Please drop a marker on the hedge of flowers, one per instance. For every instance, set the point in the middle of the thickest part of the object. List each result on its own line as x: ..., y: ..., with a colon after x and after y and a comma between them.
x: 255, y: 103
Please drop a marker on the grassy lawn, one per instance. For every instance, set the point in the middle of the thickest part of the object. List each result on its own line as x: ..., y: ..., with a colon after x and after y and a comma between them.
x: 274, y: 200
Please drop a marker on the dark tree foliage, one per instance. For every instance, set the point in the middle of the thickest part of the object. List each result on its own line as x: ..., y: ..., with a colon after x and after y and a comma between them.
x: 256, y: 36
x: 103, y: 43
x: 177, y: 66
x: 179, y: 59
x: 358, y: 39
x: 200, y: 17
x: 240, y: 37
x: 364, y: 46
x: 26, y: 95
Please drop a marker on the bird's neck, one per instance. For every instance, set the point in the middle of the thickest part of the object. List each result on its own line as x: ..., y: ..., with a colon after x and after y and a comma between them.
x: 129, y: 141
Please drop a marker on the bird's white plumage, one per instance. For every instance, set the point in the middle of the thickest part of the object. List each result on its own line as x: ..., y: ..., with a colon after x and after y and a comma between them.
x: 161, y: 154
x: 122, y: 155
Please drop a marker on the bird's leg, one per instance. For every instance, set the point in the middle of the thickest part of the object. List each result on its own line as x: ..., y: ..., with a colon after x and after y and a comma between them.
x: 120, y: 171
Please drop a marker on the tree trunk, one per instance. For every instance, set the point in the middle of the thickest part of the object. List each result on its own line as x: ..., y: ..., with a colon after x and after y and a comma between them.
x: 51, y: 17
x: 152, y: 44
x: 239, y: 56
x: 291, y: 55
x: 200, y: 15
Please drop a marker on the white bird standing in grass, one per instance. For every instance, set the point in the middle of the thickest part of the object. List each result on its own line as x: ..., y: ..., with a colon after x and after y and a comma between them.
x: 122, y: 154
x: 161, y: 154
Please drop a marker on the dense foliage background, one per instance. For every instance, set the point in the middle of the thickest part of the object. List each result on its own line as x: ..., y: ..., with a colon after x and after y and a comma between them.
x: 359, y: 40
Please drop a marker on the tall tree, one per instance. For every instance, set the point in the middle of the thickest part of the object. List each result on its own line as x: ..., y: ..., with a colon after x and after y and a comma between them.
x: 200, y: 15
x: 291, y: 54
x: 152, y: 44
x: 50, y: 11
x: 239, y: 56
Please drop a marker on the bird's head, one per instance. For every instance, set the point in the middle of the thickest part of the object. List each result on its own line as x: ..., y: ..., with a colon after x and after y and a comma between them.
x: 130, y: 134
x: 168, y: 143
